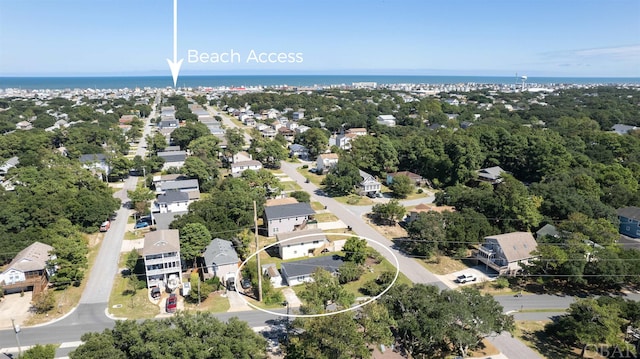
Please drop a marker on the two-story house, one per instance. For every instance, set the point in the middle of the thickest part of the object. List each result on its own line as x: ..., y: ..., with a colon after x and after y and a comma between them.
x: 172, y: 201
x: 220, y: 260
x: 29, y: 269
x: 325, y: 162
x: 629, y: 221
x: 300, y: 243
x: 505, y: 253
x: 161, y: 254
x: 369, y: 185
x: 287, y: 217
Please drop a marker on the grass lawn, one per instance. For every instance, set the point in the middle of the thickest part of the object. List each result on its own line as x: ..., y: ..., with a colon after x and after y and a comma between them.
x: 355, y: 200
x: 290, y: 186
x: 326, y: 217
x: 68, y: 298
x: 317, y: 206
x: 384, y: 266
x: 124, y: 305
x: 532, y: 334
x: 442, y: 265
x: 312, y: 177
x: 214, y: 303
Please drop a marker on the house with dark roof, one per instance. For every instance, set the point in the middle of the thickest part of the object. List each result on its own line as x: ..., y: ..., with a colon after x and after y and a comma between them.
x: 629, y: 221
x: 161, y: 254
x: 28, y: 270
x: 506, y: 253
x: 301, y: 243
x: 172, y: 159
x: 220, y: 260
x: 172, y: 201
x: 175, y: 182
x: 299, y: 272
x: 287, y: 217
x: 492, y: 175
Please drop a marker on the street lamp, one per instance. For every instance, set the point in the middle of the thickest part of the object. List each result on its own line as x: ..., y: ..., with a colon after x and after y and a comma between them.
x: 16, y: 329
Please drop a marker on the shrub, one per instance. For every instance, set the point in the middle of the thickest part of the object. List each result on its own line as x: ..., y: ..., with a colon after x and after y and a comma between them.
x: 305, y: 166
x: 44, y: 301
x: 501, y: 282
x: 420, y: 191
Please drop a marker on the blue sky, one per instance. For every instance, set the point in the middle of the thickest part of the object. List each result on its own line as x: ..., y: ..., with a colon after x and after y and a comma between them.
x: 422, y: 37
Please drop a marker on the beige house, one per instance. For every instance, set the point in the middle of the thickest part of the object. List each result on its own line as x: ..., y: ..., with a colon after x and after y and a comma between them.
x: 161, y: 253
x: 507, y: 253
x: 325, y: 162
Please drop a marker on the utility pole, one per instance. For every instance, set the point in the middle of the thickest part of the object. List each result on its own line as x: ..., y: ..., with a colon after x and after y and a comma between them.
x: 255, y: 224
x: 16, y: 329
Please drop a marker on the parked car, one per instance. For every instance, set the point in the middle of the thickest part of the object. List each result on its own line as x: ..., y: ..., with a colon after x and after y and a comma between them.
x: 155, y: 292
x: 246, y: 283
x: 105, y: 226
x: 467, y: 277
x: 140, y: 225
x: 172, y: 303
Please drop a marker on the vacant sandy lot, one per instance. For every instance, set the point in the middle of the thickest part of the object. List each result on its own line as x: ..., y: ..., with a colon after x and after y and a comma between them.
x: 16, y: 307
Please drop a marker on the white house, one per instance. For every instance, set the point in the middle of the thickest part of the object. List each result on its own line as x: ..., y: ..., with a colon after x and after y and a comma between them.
x: 172, y: 201
x: 325, y: 162
x: 300, y: 243
x: 507, y: 253
x: 161, y: 254
x: 386, y: 120
x: 369, y: 184
x: 28, y: 270
x: 220, y: 260
x: 272, y: 272
x: 96, y: 162
x: 238, y: 167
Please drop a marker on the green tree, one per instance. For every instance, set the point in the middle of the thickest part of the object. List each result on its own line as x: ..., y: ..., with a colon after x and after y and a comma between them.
x: 388, y: 213
x: 323, y: 291
x: 140, y: 198
x: 47, y: 351
x: 301, y: 196
x: 588, y: 322
x: 315, y: 140
x: 44, y: 301
x: 402, y: 186
x: 426, y: 233
x: 184, y: 335
x: 194, y: 237
x: 349, y: 272
x: 334, y: 337
x: 342, y: 179
x: 199, y: 290
x: 355, y: 250
x: 132, y: 260
x: 375, y: 154
x: 183, y: 136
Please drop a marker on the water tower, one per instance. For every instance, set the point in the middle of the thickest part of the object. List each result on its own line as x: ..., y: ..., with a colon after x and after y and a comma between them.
x: 523, y: 79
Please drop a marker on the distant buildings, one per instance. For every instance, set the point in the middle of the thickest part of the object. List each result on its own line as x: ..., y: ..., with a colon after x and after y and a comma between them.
x: 386, y: 120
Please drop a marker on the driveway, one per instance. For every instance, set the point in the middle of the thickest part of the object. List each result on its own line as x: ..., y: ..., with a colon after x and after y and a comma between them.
x: 14, y: 306
x: 291, y: 298
x: 482, y: 276
x: 236, y: 304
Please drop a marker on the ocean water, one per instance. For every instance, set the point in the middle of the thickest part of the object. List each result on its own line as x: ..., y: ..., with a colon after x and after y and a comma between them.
x: 30, y: 83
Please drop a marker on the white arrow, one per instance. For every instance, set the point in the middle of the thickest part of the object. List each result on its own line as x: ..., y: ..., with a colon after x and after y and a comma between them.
x: 175, y: 64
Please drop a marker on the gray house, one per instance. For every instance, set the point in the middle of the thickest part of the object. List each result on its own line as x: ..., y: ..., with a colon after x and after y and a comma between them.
x: 220, y: 260
x: 172, y: 158
x: 299, y: 272
x: 505, y: 253
x: 287, y: 217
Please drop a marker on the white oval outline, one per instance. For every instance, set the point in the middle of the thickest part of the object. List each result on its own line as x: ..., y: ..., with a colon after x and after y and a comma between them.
x: 395, y: 278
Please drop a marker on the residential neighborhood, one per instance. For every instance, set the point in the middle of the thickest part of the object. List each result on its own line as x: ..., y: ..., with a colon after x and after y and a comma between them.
x: 214, y: 185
